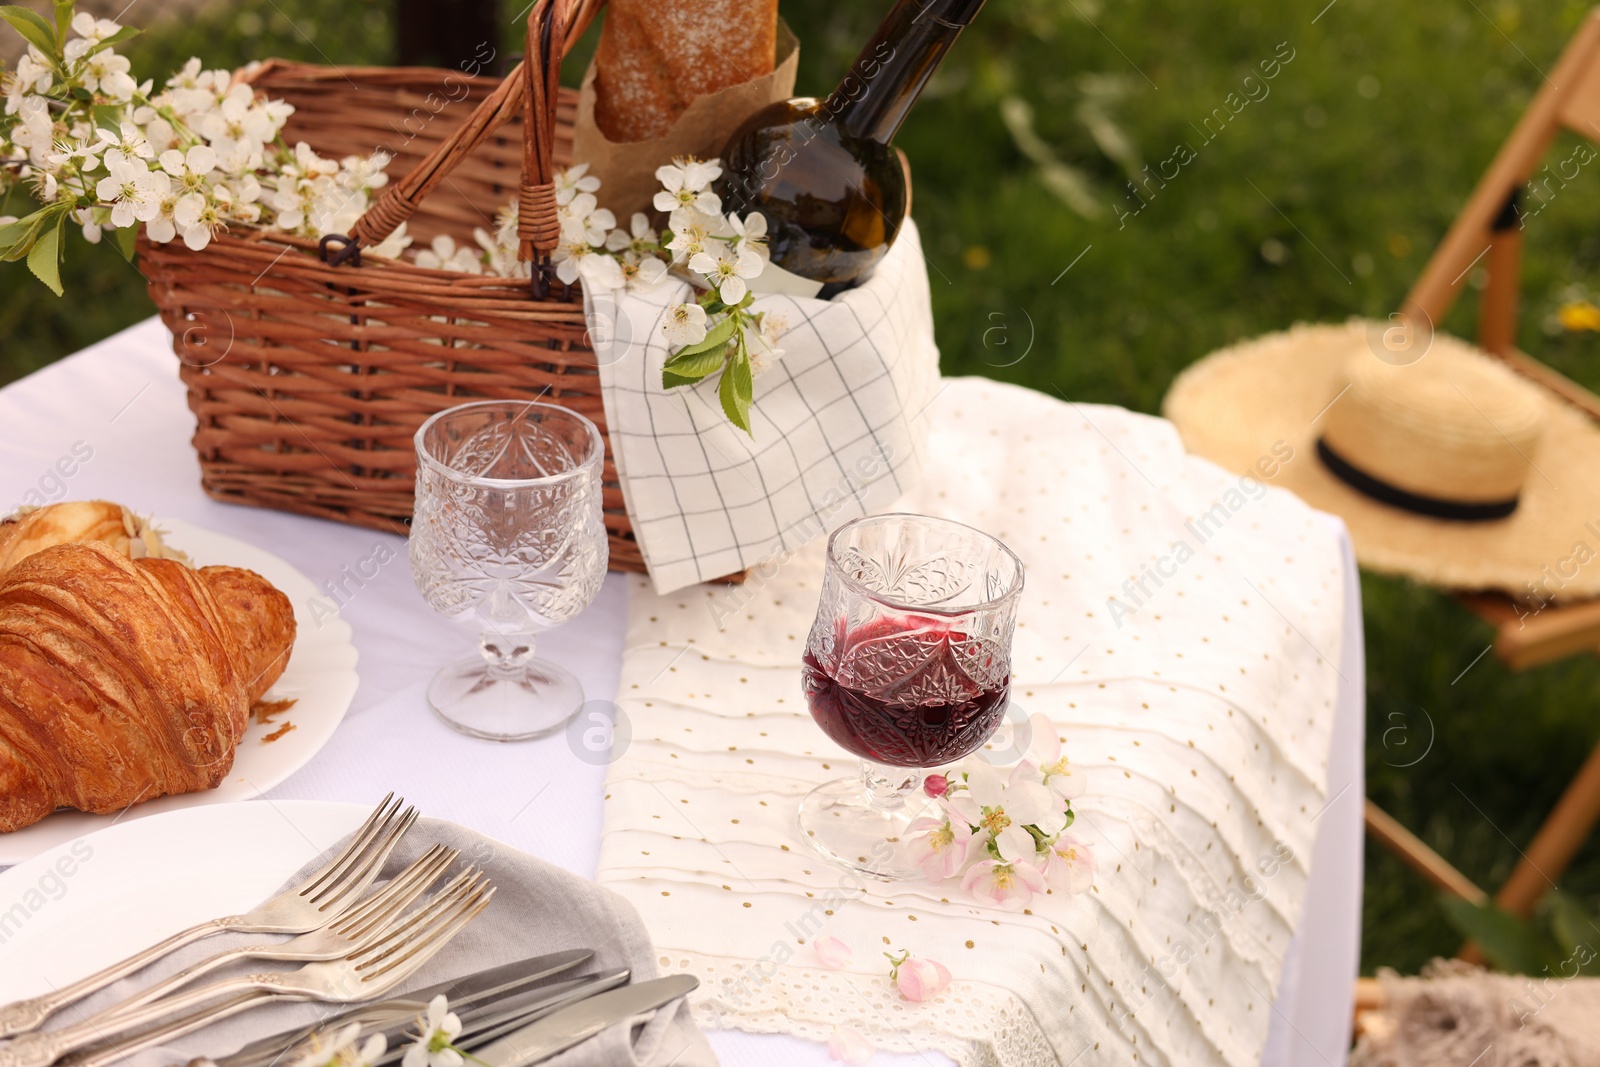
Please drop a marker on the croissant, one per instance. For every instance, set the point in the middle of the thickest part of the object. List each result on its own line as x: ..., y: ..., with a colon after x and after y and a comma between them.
x: 123, y: 680
x: 32, y: 529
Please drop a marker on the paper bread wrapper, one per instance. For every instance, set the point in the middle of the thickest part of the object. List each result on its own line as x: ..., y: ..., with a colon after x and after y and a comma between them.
x: 627, y: 171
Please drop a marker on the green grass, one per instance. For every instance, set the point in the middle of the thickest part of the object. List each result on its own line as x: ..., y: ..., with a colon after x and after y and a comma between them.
x: 1321, y: 200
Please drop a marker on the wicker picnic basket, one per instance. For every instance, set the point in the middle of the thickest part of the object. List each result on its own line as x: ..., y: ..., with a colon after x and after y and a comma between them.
x: 309, y: 369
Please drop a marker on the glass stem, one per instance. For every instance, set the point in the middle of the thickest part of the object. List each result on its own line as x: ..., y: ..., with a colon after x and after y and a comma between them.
x: 889, y: 787
x: 506, y: 654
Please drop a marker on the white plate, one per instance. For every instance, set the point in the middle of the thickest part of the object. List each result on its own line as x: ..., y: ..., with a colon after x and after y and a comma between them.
x: 321, y: 677
x: 87, y: 903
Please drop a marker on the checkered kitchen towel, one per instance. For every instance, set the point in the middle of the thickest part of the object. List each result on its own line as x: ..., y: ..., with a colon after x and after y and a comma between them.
x: 840, y: 422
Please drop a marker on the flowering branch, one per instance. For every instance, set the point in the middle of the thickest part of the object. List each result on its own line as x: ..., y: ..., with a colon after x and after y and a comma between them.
x: 1008, y: 838
x: 720, y: 253
x: 109, y: 153
x: 204, y: 154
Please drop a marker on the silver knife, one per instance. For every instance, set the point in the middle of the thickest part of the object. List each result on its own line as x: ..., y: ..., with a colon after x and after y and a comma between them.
x: 510, y: 1014
x: 515, y: 1012
x: 569, y: 1026
x: 465, y: 993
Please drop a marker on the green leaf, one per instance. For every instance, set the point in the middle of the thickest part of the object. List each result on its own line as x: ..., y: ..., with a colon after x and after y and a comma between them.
x: 80, y: 93
x: 673, y: 381
x: 1512, y: 945
x: 64, y: 12
x: 697, y: 365
x: 45, y: 258
x: 715, y: 338
x: 125, y: 33
x: 1573, y: 928
x: 33, y: 28
x: 737, y: 390
x: 17, y: 239
x: 108, y: 117
x: 126, y: 237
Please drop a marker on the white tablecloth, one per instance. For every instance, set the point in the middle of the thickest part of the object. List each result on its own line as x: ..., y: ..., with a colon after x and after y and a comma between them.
x: 122, y: 400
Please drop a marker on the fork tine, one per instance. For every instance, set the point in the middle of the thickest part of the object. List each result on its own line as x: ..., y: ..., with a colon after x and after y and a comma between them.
x: 414, y: 924
x: 358, y: 841
x: 341, y: 893
x: 422, y: 947
x: 371, y: 915
x: 353, y: 860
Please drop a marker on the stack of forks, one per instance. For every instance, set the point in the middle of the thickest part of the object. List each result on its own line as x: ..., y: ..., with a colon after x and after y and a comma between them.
x: 355, y: 947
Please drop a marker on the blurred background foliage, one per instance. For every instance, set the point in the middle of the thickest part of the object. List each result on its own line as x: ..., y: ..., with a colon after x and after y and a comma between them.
x: 1320, y: 199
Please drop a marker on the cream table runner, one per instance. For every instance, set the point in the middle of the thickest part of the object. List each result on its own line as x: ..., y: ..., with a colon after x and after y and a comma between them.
x: 1182, y: 628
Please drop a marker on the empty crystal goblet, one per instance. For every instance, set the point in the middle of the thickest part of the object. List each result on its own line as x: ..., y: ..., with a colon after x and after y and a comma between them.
x: 508, y: 534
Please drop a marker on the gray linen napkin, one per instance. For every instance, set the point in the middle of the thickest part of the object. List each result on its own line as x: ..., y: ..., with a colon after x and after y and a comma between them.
x: 537, y: 908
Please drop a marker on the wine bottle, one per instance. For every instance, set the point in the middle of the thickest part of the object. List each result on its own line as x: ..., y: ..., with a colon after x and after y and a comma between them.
x: 822, y: 172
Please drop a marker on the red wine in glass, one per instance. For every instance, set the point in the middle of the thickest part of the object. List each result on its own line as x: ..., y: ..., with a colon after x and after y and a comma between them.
x: 908, y: 692
x: 907, y: 667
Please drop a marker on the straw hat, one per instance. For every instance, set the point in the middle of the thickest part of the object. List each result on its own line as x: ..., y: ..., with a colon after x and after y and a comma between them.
x: 1450, y: 469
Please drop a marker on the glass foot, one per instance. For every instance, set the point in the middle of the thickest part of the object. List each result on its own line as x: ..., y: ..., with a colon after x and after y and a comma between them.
x: 533, y: 699
x: 852, y: 826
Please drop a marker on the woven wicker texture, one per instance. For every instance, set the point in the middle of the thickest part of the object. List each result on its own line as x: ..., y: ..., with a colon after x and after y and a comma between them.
x: 313, y: 378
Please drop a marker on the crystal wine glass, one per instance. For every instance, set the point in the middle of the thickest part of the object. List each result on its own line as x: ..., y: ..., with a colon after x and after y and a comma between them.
x: 508, y: 534
x: 908, y: 666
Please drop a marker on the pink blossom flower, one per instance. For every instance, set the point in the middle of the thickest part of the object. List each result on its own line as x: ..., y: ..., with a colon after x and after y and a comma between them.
x: 1003, y: 885
x: 939, y: 846
x: 935, y: 785
x: 920, y: 980
x: 1069, y: 865
x: 831, y: 952
x: 993, y: 803
x: 848, y: 1045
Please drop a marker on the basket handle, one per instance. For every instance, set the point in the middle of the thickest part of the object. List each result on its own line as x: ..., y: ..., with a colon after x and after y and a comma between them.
x: 531, y: 89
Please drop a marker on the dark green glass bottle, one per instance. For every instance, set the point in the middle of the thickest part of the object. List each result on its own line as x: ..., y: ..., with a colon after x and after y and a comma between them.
x: 822, y: 171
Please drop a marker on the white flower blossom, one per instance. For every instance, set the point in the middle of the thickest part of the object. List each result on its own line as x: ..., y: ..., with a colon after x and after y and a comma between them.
x: 685, y: 324
x: 163, y: 227
x: 239, y: 198
x: 159, y: 132
x: 391, y: 246
x: 685, y: 182
x: 129, y: 143
x: 133, y: 189
x: 641, y: 238
x: 436, y: 1033
x: 443, y: 254
x: 239, y: 129
x: 568, y: 258
x: 692, y: 231
x: 727, y: 271
x: 500, y: 251
x: 33, y: 75
x: 342, y: 1050
x: 35, y: 131
x: 91, y: 229
x: 197, y: 218
x: 749, y: 233
x: 364, y: 172
x: 91, y: 31
x: 600, y: 272
x: 108, y: 72
x: 582, y: 219
x: 762, y: 344
x: 572, y: 181
x: 641, y: 272
x: 189, y: 169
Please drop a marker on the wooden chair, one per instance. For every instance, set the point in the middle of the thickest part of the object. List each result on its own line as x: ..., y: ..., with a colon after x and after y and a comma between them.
x: 1489, y: 232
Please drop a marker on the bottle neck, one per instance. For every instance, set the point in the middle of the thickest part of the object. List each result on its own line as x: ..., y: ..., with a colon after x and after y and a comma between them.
x: 887, y: 77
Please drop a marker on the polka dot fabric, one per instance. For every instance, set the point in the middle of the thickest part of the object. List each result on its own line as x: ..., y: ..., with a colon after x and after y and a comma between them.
x: 1180, y: 626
